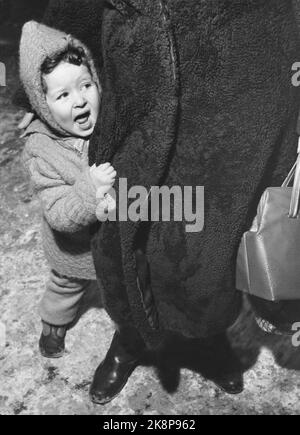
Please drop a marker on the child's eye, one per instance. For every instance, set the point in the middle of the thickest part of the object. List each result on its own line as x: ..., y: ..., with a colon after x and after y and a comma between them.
x: 87, y: 85
x: 64, y: 95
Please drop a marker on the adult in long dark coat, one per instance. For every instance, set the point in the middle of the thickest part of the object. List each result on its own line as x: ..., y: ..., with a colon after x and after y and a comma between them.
x: 196, y: 93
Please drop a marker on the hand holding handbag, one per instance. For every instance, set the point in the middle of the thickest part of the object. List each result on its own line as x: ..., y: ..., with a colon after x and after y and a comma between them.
x: 268, y: 262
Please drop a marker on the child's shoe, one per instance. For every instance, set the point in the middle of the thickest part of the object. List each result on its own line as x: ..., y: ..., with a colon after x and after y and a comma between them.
x: 52, y: 341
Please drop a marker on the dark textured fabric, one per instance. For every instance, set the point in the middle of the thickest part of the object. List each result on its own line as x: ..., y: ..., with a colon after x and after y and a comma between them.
x: 196, y: 92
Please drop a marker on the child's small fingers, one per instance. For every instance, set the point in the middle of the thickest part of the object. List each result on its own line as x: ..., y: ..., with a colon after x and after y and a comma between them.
x: 111, y: 178
x: 105, y: 180
x: 104, y: 166
x: 112, y: 172
x: 109, y: 170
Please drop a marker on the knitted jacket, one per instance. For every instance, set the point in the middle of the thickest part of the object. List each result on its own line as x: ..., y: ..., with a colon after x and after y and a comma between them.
x: 58, y: 164
x: 60, y: 176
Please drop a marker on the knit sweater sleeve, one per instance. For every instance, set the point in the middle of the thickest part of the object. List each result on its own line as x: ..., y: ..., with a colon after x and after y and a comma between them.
x: 67, y: 208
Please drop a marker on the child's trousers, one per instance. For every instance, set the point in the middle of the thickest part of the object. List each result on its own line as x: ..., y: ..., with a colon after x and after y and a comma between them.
x: 61, y: 301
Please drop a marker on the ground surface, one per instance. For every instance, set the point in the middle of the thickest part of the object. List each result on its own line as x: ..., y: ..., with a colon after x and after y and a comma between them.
x: 30, y: 384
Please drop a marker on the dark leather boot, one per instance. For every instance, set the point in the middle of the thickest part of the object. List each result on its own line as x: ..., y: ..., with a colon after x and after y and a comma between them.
x: 228, y: 371
x: 52, y: 341
x: 230, y: 383
x: 113, y: 373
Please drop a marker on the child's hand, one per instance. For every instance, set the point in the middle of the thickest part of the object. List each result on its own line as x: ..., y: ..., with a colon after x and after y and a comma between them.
x: 103, y: 175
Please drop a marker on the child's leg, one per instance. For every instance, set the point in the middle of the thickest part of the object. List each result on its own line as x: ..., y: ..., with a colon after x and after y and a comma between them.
x: 61, y: 300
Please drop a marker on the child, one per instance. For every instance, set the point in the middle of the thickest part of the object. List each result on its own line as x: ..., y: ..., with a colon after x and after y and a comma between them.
x: 60, y: 80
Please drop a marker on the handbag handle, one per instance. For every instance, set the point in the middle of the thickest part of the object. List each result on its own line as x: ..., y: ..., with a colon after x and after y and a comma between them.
x: 295, y: 198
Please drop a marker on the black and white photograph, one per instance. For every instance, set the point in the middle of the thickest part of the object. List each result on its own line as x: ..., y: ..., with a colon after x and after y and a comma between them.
x: 149, y: 210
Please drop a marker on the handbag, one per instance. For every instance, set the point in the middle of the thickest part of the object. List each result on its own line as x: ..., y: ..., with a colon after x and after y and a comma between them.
x: 268, y: 261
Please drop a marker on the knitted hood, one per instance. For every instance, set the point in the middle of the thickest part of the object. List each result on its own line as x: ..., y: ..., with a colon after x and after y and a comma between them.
x: 39, y: 42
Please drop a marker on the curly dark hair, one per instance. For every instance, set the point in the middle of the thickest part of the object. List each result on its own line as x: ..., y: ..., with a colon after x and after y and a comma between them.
x: 73, y: 55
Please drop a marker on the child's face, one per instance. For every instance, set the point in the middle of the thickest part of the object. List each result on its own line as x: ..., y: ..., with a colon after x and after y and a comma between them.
x: 73, y: 98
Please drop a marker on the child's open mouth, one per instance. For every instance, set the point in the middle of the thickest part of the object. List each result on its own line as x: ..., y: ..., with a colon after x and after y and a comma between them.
x: 84, y: 120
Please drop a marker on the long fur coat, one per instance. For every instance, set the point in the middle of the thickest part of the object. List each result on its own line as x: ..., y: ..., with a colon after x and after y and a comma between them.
x: 196, y: 93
